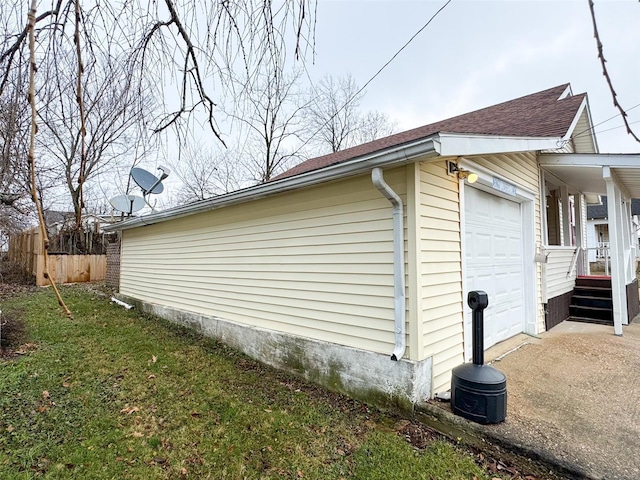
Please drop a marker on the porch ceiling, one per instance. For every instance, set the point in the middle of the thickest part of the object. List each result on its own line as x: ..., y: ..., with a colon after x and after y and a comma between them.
x: 584, y: 172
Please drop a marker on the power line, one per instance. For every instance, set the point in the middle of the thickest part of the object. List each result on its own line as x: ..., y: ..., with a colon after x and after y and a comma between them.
x: 619, y: 126
x: 355, y: 95
x: 605, y: 121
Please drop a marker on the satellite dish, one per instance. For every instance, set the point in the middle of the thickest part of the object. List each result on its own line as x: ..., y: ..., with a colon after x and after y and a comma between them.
x: 147, y: 181
x: 127, y: 203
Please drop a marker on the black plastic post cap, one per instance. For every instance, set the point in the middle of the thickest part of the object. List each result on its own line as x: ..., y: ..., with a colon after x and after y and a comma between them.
x: 478, y: 300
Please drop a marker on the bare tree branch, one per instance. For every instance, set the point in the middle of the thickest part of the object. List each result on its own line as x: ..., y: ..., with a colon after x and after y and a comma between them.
x: 9, y: 54
x: 605, y: 72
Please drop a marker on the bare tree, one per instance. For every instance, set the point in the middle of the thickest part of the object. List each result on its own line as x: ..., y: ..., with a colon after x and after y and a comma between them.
x: 13, y: 143
x: 84, y: 138
x: 15, y: 208
x: 194, y: 41
x: 186, y: 50
x: 270, y: 112
x: 206, y: 173
x: 373, y: 125
x: 332, y: 114
x: 333, y: 117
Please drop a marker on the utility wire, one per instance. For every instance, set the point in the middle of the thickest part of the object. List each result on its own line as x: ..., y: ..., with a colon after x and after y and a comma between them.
x: 614, y: 128
x: 605, y: 121
x: 355, y: 95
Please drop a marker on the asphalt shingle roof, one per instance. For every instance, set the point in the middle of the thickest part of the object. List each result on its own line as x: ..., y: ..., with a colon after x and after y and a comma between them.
x: 540, y: 114
x: 600, y: 211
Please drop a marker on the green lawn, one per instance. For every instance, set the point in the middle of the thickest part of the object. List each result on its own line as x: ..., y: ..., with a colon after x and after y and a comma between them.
x: 113, y: 394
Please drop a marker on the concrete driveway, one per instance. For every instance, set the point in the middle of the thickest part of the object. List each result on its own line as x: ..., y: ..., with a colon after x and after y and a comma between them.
x: 573, y: 398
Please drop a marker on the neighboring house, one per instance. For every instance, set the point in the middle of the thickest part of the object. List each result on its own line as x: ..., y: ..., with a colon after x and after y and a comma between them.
x: 598, y: 228
x: 58, y: 221
x: 352, y: 260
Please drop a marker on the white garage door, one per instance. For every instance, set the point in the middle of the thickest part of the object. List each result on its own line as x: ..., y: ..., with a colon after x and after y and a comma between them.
x: 493, y: 263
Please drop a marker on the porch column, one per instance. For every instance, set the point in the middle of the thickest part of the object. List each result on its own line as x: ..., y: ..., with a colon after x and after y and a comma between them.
x: 581, y: 241
x: 626, y: 222
x: 565, y: 222
x: 634, y: 240
x: 616, y: 244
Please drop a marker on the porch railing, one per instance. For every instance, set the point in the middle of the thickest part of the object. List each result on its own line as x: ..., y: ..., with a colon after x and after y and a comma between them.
x: 602, y: 252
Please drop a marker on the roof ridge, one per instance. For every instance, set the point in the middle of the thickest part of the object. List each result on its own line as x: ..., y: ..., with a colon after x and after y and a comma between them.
x: 539, y: 114
x: 559, y: 88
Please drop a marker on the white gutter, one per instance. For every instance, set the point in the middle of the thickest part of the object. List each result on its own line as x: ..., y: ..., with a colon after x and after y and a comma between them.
x: 440, y: 144
x: 396, y: 156
x: 398, y: 260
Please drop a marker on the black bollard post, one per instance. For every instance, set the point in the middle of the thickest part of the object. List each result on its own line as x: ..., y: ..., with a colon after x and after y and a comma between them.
x: 478, y: 301
x: 478, y: 391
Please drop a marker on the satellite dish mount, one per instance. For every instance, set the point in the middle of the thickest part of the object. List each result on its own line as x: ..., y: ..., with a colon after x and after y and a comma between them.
x: 148, y: 182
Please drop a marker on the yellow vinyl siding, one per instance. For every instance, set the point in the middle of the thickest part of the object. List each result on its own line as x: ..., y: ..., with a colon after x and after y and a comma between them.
x: 441, y: 271
x: 518, y: 168
x: 316, y: 262
x: 582, y: 135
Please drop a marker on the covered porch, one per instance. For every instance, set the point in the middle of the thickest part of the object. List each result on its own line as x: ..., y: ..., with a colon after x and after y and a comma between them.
x: 569, y: 182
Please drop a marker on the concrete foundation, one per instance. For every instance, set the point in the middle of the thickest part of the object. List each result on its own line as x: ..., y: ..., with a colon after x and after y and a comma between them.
x: 367, y: 376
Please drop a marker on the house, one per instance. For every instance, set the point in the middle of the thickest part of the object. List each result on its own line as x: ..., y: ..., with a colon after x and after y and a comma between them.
x: 353, y: 268
x: 598, y: 229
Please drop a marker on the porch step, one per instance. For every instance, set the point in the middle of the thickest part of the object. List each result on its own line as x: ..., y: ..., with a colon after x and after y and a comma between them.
x: 603, y: 292
x: 591, y: 312
x: 593, y: 281
x: 591, y: 301
x: 590, y: 320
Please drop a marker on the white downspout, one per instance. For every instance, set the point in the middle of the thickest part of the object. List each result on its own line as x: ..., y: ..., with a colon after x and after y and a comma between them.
x: 398, y: 260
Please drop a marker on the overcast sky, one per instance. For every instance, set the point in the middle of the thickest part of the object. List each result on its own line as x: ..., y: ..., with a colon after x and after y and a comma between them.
x: 476, y: 54
x: 479, y: 53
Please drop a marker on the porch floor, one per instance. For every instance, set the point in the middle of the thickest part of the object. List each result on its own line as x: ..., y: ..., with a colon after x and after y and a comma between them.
x: 573, y: 398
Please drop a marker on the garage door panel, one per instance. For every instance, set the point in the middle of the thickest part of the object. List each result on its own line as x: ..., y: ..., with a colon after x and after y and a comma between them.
x: 493, y: 263
x: 479, y: 246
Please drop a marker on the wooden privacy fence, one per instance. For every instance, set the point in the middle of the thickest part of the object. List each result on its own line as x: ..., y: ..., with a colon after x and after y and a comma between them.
x: 25, y: 250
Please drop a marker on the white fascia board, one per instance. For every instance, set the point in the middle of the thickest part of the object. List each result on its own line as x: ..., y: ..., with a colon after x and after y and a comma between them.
x: 393, y: 157
x: 613, y: 160
x: 567, y: 93
x: 576, y: 119
x: 455, y: 144
x: 594, y: 139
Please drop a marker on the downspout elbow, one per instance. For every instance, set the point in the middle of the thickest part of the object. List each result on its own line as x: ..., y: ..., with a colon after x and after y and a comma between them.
x: 398, y: 261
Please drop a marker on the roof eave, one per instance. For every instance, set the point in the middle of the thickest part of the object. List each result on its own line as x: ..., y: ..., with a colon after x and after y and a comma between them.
x: 426, y: 147
x: 453, y: 144
x: 442, y: 144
